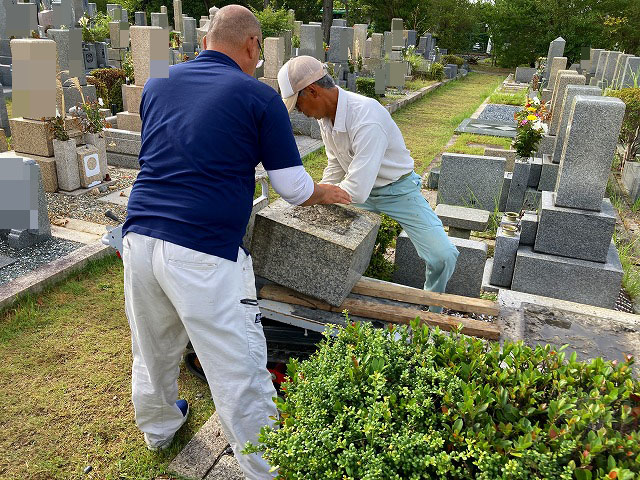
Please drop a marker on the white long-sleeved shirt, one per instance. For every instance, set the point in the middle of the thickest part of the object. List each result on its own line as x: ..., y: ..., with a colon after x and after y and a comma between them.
x: 364, y: 146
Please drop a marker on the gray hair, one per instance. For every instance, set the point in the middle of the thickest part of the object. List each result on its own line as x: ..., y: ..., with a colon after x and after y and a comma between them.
x: 325, y: 82
x: 232, y: 25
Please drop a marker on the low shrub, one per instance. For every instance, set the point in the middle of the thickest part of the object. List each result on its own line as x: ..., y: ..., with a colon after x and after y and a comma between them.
x: 272, y: 21
x: 452, y: 59
x: 379, y: 267
x: 96, y: 28
x: 436, y: 72
x: 630, y: 132
x: 417, y: 403
x: 108, y: 82
x: 366, y: 86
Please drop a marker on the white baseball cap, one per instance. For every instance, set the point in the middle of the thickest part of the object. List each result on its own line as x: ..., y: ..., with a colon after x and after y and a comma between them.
x: 297, y: 74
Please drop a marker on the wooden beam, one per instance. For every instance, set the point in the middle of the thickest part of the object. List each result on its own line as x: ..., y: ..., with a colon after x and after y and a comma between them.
x: 400, y: 293
x: 384, y: 312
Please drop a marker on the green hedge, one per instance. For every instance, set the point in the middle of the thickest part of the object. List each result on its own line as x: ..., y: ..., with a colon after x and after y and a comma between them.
x: 436, y: 72
x: 452, y: 59
x: 399, y: 403
x: 366, y: 86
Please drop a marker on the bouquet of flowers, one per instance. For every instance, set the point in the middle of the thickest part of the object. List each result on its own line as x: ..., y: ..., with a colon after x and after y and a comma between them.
x: 530, y: 127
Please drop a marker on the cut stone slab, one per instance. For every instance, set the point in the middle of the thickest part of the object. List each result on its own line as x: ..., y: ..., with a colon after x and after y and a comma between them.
x: 594, y: 126
x: 471, y: 180
x: 518, y: 186
x: 5, y: 261
x: 504, y: 194
x: 129, y: 121
x: 132, y: 95
x: 321, y: 251
x: 548, y: 174
x: 574, y: 233
x: 117, y: 197
x: 546, y: 145
x: 535, y: 171
x: 504, y: 258
x: 528, y: 228
x: 31, y: 136
x: 123, y: 160
x: 483, y: 127
x: 202, y: 451
x: 589, y: 331
x: 462, y: 218
x: 467, y: 276
x: 570, y: 279
x: 532, y: 198
x: 227, y: 468
x: 509, y: 155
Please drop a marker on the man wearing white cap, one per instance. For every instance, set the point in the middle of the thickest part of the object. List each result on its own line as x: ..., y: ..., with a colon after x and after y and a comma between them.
x: 367, y: 158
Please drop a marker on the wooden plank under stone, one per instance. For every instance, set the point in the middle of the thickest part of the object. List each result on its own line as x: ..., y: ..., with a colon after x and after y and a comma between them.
x: 201, y: 453
x: 401, y: 293
x: 385, y: 312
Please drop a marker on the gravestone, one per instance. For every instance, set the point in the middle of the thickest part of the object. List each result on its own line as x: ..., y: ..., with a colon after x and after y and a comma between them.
x: 21, y: 19
x: 359, y: 40
x: 396, y: 71
x: 376, y: 45
x: 397, y: 36
x: 321, y: 251
x: 620, y: 65
x: 466, y: 279
x: 311, y: 41
x: 119, y: 34
x: 274, y: 55
x: 387, y: 44
x: 504, y: 258
x: 380, y: 75
x: 69, y: 51
x: 602, y: 62
x: 141, y: 19
x: 160, y: 20
x: 177, y: 15
x: 518, y: 186
x: 558, y: 64
x: 341, y: 44
x: 556, y: 49
x: 524, y: 74
x: 593, y: 128
x: 471, y: 180
x: 595, y: 56
x: 631, y: 73
x: 610, y: 69
x: 565, y: 111
x: 23, y: 204
x: 189, y: 25
x: 412, y: 38
x: 562, y: 81
x: 339, y: 22
x: 92, y: 9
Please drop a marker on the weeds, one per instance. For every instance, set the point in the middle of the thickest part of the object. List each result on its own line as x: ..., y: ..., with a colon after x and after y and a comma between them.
x: 631, y: 276
x: 504, y: 98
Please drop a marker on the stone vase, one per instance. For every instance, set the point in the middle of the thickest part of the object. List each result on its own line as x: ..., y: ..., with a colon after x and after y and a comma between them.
x: 98, y: 141
x: 66, y: 164
x: 631, y: 179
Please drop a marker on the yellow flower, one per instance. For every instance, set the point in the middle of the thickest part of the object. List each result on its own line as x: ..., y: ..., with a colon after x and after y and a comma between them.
x: 532, y: 118
x: 532, y: 109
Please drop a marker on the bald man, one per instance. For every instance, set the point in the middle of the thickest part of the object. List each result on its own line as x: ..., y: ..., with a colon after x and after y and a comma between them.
x: 187, y: 276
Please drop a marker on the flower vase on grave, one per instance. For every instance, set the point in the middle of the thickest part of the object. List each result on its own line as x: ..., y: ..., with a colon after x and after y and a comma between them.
x: 66, y: 164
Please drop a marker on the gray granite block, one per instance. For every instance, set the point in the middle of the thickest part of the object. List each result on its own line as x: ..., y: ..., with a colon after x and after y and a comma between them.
x: 120, y: 145
x: 433, y: 178
x: 525, y: 74
x: 588, y: 151
x: 311, y: 41
x: 570, y: 93
x: 518, y: 186
x: 341, y: 44
x: 580, y: 281
x: 321, y: 251
x: 610, y: 68
x: 528, y: 228
x: 546, y: 145
x: 602, y: 61
x: 595, y: 55
x: 630, y: 73
x: 140, y: 19
x: 504, y: 258
x: 509, y: 155
x: 534, y: 172
x: 471, y: 180
x: 227, y: 468
x: 631, y: 179
x: 532, y: 198
x: 548, y: 175
x: 66, y: 164
x: 116, y: 133
x: 467, y: 277
x: 123, y: 160
x: 574, y: 233
x: 564, y: 80
x: 504, y: 194
x: 462, y: 217
x: 620, y: 66
x: 558, y: 64
x: 304, y: 125
x: 199, y: 455
x: 556, y: 49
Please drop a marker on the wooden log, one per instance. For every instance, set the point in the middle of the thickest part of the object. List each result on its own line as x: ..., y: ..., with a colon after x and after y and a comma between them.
x: 387, y: 313
x: 401, y: 293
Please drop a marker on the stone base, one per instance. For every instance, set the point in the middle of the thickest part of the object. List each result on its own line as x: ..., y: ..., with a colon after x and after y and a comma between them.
x: 462, y: 218
x: 123, y: 160
x: 534, y: 172
x: 528, y: 228
x: 272, y: 82
x: 532, y: 199
x: 504, y: 193
x: 518, y: 185
x: 466, y: 279
x: 48, y: 172
x: 321, y: 251
x: 574, y: 233
x: 509, y: 155
x: 304, y: 125
x: 433, y: 179
x: 31, y: 137
x: 129, y: 121
x: 570, y: 279
x: 131, y: 96
x: 546, y: 146
x: 123, y: 141
x: 548, y: 175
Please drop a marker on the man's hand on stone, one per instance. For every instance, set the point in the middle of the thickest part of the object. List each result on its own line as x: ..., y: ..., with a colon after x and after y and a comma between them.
x: 325, y: 194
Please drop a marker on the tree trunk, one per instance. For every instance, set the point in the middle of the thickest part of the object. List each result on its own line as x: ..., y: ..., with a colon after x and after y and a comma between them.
x: 346, y: 10
x: 327, y: 18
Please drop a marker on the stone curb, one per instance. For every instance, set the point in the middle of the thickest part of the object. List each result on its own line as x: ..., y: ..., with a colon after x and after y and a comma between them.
x: 51, y: 273
x: 414, y: 96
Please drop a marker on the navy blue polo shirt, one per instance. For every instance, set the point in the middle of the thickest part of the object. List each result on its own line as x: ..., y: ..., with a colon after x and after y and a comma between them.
x: 204, y: 130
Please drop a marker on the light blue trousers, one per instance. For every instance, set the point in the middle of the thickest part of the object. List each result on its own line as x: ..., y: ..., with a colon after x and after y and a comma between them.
x: 403, y: 201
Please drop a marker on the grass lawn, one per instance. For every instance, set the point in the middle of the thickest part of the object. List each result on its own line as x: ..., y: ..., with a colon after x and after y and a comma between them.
x: 65, y: 384
x: 471, y: 144
x: 65, y: 354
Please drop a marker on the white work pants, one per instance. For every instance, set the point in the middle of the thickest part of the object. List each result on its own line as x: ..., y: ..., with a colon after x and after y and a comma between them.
x: 174, y: 294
